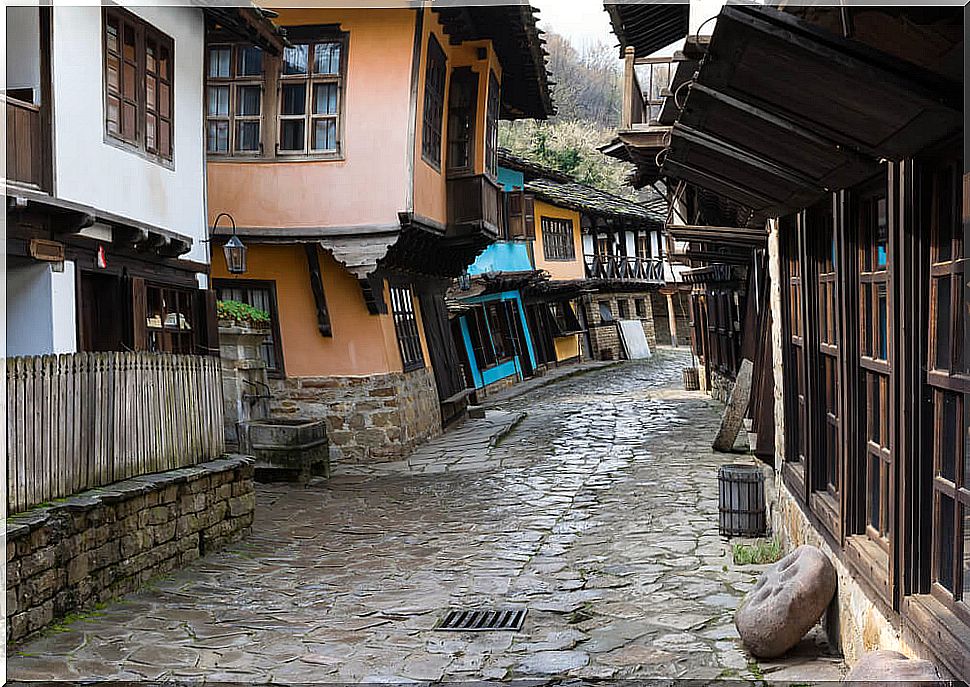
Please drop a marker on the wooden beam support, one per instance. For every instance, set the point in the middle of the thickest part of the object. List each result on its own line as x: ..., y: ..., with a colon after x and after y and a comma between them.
x: 316, y: 285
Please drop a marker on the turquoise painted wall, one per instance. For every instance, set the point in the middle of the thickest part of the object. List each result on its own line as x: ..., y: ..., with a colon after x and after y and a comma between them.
x: 503, y: 256
x: 509, y: 179
x: 509, y: 368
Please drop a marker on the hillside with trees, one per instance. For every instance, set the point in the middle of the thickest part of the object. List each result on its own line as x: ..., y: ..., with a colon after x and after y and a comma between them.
x: 587, y: 93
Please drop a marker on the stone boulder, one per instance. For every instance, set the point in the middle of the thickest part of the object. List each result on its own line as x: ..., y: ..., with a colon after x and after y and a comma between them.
x: 892, y: 666
x: 786, y: 603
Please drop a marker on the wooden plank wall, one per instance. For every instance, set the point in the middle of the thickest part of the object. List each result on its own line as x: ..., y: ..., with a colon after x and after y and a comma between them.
x: 79, y: 421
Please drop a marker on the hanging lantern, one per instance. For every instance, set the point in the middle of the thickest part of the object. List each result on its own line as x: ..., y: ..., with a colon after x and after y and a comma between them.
x: 234, y: 249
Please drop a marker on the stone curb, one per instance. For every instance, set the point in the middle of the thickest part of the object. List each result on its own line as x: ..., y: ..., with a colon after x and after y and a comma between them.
x: 505, y: 430
x: 21, y: 524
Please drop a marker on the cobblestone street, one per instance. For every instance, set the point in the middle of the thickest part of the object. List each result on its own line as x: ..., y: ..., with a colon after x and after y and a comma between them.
x: 597, y: 512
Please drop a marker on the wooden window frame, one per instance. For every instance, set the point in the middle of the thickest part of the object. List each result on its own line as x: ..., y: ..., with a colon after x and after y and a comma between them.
x: 435, y: 89
x: 462, y: 77
x: 161, y: 337
x: 622, y: 309
x: 404, y: 314
x: 493, y: 106
x: 270, y: 286
x: 137, y: 139
x: 643, y: 246
x: 947, y: 378
x: 640, y: 306
x: 878, y: 445
x: 235, y: 81
x: 562, y: 247
x: 311, y: 80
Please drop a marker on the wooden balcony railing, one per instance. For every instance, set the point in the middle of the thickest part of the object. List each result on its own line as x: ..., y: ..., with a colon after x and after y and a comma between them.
x: 474, y: 205
x: 26, y: 149
x: 624, y: 268
x: 646, y: 82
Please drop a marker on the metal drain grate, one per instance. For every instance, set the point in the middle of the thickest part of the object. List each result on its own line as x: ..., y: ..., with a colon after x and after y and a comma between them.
x: 489, y: 620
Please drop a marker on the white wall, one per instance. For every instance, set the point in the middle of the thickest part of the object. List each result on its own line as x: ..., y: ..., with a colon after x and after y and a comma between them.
x: 700, y: 12
x: 103, y: 176
x: 23, y: 49
x: 40, y: 310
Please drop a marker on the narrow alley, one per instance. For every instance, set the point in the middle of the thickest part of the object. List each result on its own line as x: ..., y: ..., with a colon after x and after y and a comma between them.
x: 598, y: 513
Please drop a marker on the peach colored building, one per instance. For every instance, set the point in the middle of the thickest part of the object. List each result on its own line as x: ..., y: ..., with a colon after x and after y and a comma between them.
x: 359, y: 168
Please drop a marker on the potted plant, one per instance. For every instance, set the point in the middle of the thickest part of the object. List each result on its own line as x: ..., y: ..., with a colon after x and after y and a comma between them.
x: 242, y: 329
x: 235, y: 314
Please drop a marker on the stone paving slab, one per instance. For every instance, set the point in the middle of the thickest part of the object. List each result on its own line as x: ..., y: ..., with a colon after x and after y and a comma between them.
x: 598, y: 512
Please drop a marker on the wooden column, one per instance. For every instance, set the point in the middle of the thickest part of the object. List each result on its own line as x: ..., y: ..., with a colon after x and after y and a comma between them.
x: 672, y: 319
x: 629, y: 84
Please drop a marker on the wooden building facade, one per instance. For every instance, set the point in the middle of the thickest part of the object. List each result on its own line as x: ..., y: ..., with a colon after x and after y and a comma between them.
x: 847, y: 161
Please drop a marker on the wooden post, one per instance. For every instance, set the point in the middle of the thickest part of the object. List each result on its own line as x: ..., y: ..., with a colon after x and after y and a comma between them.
x: 629, y: 83
x: 672, y: 320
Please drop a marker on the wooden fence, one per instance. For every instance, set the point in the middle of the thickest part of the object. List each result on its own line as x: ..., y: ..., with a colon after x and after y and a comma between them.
x: 84, y: 420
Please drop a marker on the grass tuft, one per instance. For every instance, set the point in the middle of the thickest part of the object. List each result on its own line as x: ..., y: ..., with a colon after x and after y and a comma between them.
x: 757, y: 553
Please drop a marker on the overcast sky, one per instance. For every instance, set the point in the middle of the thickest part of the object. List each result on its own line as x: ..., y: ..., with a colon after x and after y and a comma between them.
x: 581, y: 21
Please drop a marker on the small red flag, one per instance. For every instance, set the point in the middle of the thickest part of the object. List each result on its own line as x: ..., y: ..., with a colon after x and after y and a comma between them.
x: 102, y: 259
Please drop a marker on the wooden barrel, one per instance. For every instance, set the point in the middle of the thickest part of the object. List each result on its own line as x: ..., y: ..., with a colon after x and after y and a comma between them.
x: 741, y: 501
x: 691, y: 380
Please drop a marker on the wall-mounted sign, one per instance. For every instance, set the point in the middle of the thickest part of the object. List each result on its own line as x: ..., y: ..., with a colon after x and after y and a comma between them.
x: 102, y: 258
x: 48, y: 251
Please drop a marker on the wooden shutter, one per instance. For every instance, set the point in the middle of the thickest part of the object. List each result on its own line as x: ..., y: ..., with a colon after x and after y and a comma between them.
x: 210, y: 321
x: 516, y: 222
x: 139, y: 313
x: 529, y: 215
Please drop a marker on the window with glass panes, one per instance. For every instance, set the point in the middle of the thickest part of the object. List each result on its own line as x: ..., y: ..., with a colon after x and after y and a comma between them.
x: 823, y: 304
x: 949, y: 383
x: 462, y: 110
x: 406, y: 327
x: 875, y: 325
x: 557, y: 239
x: 796, y: 406
x: 138, y: 83
x: 492, y: 108
x: 170, y: 319
x: 434, y: 102
x: 235, y: 84
x: 310, y: 87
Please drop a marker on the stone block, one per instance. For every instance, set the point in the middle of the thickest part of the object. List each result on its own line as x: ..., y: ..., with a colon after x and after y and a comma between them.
x: 77, y: 569
x: 38, y: 561
x: 105, y: 555
x: 192, y: 502
x: 789, y: 598
x: 884, y: 667
x: 164, y: 532
x: 240, y: 505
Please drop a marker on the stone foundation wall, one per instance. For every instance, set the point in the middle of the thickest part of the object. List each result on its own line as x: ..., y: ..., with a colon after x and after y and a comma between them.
x: 604, y: 338
x: 369, y: 419
x: 106, y: 542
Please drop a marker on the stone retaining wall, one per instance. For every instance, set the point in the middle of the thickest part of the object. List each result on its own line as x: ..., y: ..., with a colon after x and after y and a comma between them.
x: 100, y: 544
x: 369, y: 419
